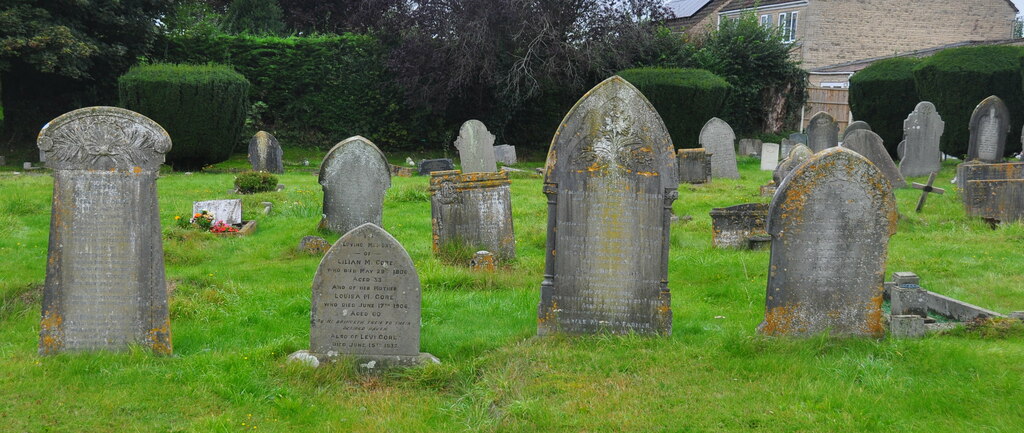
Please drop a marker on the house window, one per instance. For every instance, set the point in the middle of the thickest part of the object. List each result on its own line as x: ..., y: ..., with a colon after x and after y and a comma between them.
x: 787, y: 25
x: 766, y: 20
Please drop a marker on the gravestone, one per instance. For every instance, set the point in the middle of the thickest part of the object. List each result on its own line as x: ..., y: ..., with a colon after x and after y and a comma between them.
x: 734, y: 226
x: 717, y: 138
x: 992, y: 191
x: 797, y: 156
x: 428, y: 166
x: 798, y: 137
x: 922, y: 129
x: 869, y: 145
x: 105, y: 286
x: 482, y: 261
x: 472, y: 210
x: 366, y: 302
x: 265, y: 153
x: 476, y: 148
x: 822, y: 132
x: 610, y: 182
x: 505, y: 154
x: 856, y: 126
x: 901, y: 151
x: 229, y: 211
x: 749, y: 147
x: 990, y: 122
x: 694, y: 166
x: 785, y: 147
x: 354, y: 176
x: 830, y: 223
x: 769, y: 156
x: 313, y: 245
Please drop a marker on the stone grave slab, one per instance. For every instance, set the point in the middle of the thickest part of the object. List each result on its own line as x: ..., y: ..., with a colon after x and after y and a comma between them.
x: 354, y: 176
x: 869, y: 145
x: 822, y: 132
x: 718, y: 139
x: 476, y: 148
x: 428, y: 166
x: 265, y: 153
x: 922, y: 129
x: 990, y: 122
x: 472, y: 210
x: 229, y: 211
x: 734, y: 226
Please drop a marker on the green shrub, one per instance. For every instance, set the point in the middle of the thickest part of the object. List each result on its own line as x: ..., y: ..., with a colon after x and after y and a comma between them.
x: 685, y: 98
x: 202, y: 107
x: 249, y: 182
x: 883, y: 95
x: 957, y: 79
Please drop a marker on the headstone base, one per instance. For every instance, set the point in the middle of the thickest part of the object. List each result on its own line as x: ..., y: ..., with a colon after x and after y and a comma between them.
x: 365, y: 363
x: 906, y: 326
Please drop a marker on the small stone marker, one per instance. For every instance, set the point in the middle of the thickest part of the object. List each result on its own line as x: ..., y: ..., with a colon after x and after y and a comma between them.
x: 483, y: 261
x: 990, y: 122
x: 992, y: 191
x: 267, y: 206
x: 750, y: 147
x: 105, y: 286
x: 505, y: 154
x: 719, y: 141
x: 869, y: 145
x: 610, y: 182
x: 428, y: 166
x: 265, y: 153
x: 920, y: 152
x: 797, y: 156
x: 314, y: 245
x: 473, y: 210
x: 366, y: 302
x: 229, y: 211
x: 906, y: 326
x: 856, y: 126
x: 769, y: 156
x: 798, y: 137
x: 27, y: 165
x: 694, y: 166
x: 822, y: 132
x: 925, y: 189
x: 734, y: 226
x: 830, y: 223
x: 476, y: 148
x: 354, y: 176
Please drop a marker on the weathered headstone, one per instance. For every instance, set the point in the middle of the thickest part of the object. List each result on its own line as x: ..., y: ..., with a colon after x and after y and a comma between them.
x: 472, y: 210
x: 990, y: 123
x: 870, y: 145
x: 785, y: 147
x: 366, y: 302
x: 717, y: 138
x: 922, y: 130
x: 799, y: 155
x: 992, y: 191
x: 830, y: 224
x: 798, y: 137
x: 428, y: 166
x: 769, y: 156
x: 105, y: 286
x: 749, y: 147
x: 694, y: 166
x: 505, y: 154
x: 856, y: 126
x: 476, y: 148
x: 610, y: 182
x: 822, y: 132
x: 354, y: 176
x: 734, y: 226
x: 265, y: 153
x: 229, y: 211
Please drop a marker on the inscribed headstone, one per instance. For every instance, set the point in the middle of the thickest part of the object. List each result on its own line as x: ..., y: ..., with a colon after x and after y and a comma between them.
x: 505, y: 154
x: 992, y: 191
x: 797, y: 156
x: 265, y: 153
x: 856, y: 126
x: 870, y: 145
x: 354, y: 176
x: 476, y: 148
x: 472, y: 210
x: 105, y: 286
x: 822, y: 132
x: 830, y: 223
x: 922, y: 130
x: 229, y: 211
x: 718, y: 139
x: 990, y: 122
x: 769, y: 156
x: 610, y: 179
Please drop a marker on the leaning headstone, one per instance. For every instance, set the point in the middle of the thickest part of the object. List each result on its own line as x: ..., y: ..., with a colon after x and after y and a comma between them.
x: 799, y: 155
x: 610, y: 182
x: 856, y: 126
x: 694, y: 166
x: 990, y: 123
x: 922, y: 130
x: 476, y: 148
x: 366, y: 302
x: 354, y: 176
x: 769, y: 156
x: 505, y: 154
x: 428, y: 166
x: 798, y: 137
x: 265, y: 153
x: 229, y: 211
x: 718, y: 140
x: 105, y: 286
x: 869, y: 145
x: 472, y: 210
x: 822, y: 132
x: 749, y: 147
x: 734, y: 226
x: 830, y: 224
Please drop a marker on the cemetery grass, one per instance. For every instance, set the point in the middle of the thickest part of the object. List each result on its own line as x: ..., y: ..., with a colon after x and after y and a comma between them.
x: 239, y: 306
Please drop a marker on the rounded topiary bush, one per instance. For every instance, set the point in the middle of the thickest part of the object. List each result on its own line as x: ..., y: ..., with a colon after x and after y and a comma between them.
x: 249, y: 182
x: 202, y: 107
x: 883, y: 94
x: 957, y: 79
x: 685, y: 98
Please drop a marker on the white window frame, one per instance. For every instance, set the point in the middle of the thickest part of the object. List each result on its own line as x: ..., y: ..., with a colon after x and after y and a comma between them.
x: 766, y: 20
x: 791, y: 27
x: 783, y: 23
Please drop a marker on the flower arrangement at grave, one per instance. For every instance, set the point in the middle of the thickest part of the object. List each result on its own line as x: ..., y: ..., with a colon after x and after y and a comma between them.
x: 203, y: 220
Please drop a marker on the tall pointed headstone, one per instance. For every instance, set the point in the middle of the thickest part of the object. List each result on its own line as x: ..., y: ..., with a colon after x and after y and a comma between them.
x: 922, y: 130
x: 830, y: 223
x: 870, y: 145
x: 822, y: 132
x: 718, y: 139
x: 990, y: 122
x: 354, y: 176
x: 265, y: 153
x: 610, y: 179
x: 105, y: 286
x: 476, y: 148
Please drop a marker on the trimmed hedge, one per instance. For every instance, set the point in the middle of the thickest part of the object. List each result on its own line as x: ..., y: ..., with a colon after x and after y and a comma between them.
x: 883, y: 94
x: 202, y: 107
x: 685, y: 98
x: 957, y: 79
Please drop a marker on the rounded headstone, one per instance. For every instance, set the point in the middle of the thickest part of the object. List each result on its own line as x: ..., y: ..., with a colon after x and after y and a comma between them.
x: 354, y: 176
x: 719, y: 140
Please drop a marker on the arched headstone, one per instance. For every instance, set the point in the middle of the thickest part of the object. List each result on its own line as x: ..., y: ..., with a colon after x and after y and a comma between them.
x: 354, y: 176
x: 822, y: 132
x: 869, y: 145
x: 921, y: 133
x: 265, y: 153
x: 800, y: 154
x: 718, y: 139
x: 476, y: 148
x: 990, y: 122
x: 858, y: 125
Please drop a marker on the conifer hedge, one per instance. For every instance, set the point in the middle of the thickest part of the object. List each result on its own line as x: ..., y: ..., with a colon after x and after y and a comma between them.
x: 685, y: 98
x: 202, y: 107
x: 883, y: 94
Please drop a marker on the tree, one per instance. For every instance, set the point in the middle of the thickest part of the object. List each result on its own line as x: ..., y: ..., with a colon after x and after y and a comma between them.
x: 257, y: 17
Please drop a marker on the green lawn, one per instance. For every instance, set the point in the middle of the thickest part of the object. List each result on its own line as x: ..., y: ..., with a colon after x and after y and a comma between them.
x: 241, y: 305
